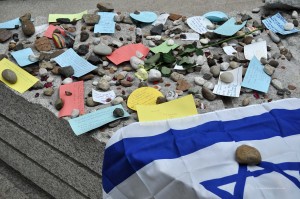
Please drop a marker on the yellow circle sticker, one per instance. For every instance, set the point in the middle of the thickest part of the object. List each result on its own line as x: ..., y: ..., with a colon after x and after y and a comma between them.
x: 143, y: 96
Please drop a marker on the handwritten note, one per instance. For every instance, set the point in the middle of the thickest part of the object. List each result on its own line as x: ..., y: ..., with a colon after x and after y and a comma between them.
x: 191, y: 36
x: 255, y: 77
x: 216, y: 16
x: 53, y: 17
x: 229, y: 28
x: 230, y: 89
x: 22, y: 56
x: 25, y: 80
x: 11, y: 24
x: 106, y: 23
x: 161, y: 19
x: 276, y: 24
x: 229, y: 50
x: 71, y: 58
x: 145, y: 16
x: 143, y: 96
x: 51, y: 29
x: 124, y: 53
x: 182, y: 107
x: 95, y: 119
x: 103, y: 97
x: 198, y: 24
x: 163, y: 48
x: 73, y: 101
x: 257, y: 49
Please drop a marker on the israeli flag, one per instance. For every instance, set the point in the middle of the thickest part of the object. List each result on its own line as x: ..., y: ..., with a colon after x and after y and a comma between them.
x: 194, y: 157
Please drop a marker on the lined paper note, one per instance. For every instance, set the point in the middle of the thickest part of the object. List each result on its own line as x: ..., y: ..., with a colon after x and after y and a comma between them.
x: 229, y: 28
x: 77, y: 16
x: 106, y: 23
x: 22, y: 56
x: 276, y: 24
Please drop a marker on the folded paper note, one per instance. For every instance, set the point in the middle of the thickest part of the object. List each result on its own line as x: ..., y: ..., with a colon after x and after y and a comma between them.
x: 106, y: 23
x: 103, y: 97
x: 161, y: 19
x: 71, y: 58
x: 190, y: 36
x: 182, y: 107
x: 53, y: 17
x: 24, y: 81
x: 163, y: 48
x: 11, y: 24
x: 229, y: 50
x: 22, y: 56
x: 145, y: 16
x: 198, y: 24
x: 276, y: 24
x: 257, y: 49
x: 229, y: 28
x: 95, y: 119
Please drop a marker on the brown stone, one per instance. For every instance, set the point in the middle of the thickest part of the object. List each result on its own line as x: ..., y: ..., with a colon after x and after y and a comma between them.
x: 183, y: 85
x: 208, y: 94
x: 126, y: 83
x: 247, y: 155
x: 27, y: 25
x: 87, y: 77
x: 291, y: 87
x: 55, y: 70
x: 4, y: 35
x: 174, y: 17
x: 42, y: 44
x: 105, y: 7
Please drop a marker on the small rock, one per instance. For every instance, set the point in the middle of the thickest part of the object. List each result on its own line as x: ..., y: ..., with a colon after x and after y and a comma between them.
x: 75, y: 113
x: 269, y: 69
x: 256, y: 10
x: 288, y: 26
x: 226, y: 77
x: 204, y: 41
x: 96, y: 41
x: 157, y: 30
x: 211, y: 62
x: 234, y: 64
x: 126, y: 83
x: 199, y: 81
x: 246, y: 102
x: 135, y: 62
x: 103, y: 85
x: 105, y: 7
x: 151, y: 43
x: 176, y: 76
x: 95, y: 60
x: 48, y: 91
x: 264, y: 60
x: 43, y: 72
x: 245, y: 154
x: 91, y: 103
x: 183, y: 85
x: 142, y: 84
x: 291, y: 87
x: 67, y: 71
x: 296, y: 22
x: 59, y: 104
x: 208, y: 94
x: 114, y: 124
x: 83, y: 49
x: 174, y: 17
x: 200, y: 60
x: 42, y: 44
x: 10, y: 76
x: 273, y: 63
x: 170, y: 42
x: 87, y: 77
x: 118, y: 112
x: 50, y: 79
x: 215, y: 70
x: 194, y: 90
x: 27, y: 25
x: 102, y: 50
x: 274, y: 37
x: 294, y: 14
x: 154, y: 75
x: 46, y: 65
x: 277, y: 84
x: 4, y: 35
x: 248, y: 40
x: 117, y: 100
x: 33, y: 58
x: 224, y: 66
x: 38, y: 85
x: 84, y: 35
x: 207, y: 76
x: 171, y: 95
x: 209, y: 85
x: 161, y: 100
x: 67, y: 80
x: 91, y: 19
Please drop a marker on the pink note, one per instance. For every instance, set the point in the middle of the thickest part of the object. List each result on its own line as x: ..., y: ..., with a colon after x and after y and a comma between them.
x: 73, y: 101
x: 48, y: 33
x: 124, y: 53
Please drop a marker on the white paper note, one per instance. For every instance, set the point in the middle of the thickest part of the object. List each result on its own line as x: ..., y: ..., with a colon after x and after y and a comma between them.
x: 178, y: 67
x: 230, y: 89
x: 161, y: 19
x: 229, y: 50
x: 103, y: 97
x: 191, y: 36
x: 198, y: 24
x: 258, y: 49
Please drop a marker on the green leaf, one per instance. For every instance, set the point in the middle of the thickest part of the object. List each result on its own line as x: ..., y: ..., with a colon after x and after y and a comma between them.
x: 153, y: 59
x: 168, y: 58
x: 166, y: 71
x: 199, y: 51
x: 149, y: 66
x: 183, y: 60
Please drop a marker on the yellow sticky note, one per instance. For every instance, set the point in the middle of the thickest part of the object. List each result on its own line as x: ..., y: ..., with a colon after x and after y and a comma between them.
x: 25, y: 80
x: 181, y: 107
x: 143, y: 96
x: 53, y: 17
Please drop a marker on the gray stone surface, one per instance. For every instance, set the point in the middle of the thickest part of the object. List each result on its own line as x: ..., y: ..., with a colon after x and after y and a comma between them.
x: 8, y: 190
x: 283, y: 4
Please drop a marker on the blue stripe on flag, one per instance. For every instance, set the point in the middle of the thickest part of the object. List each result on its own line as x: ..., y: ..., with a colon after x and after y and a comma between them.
x: 127, y: 156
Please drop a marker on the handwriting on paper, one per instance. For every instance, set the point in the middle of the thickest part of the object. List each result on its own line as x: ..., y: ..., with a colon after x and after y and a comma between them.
x: 276, y: 24
x: 143, y: 96
x: 198, y: 24
x: 103, y: 97
x: 229, y: 28
x: 106, y: 23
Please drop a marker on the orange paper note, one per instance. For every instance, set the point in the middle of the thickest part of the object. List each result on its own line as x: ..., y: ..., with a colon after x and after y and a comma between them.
x: 73, y: 101
x: 124, y: 53
x: 51, y: 29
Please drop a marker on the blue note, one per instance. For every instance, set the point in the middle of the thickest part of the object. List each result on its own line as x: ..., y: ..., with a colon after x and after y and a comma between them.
x: 145, y: 17
x: 216, y: 16
x: 21, y: 56
x: 229, y: 28
x: 106, y: 23
x: 276, y: 25
x: 11, y: 24
x: 95, y: 119
x: 255, y: 77
x: 71, y: 58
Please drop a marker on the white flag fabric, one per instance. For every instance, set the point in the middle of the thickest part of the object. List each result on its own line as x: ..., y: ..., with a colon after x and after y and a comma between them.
x: 194, y: 157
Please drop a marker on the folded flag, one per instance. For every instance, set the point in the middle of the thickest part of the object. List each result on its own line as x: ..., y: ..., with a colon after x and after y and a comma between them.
x: 194, y: 157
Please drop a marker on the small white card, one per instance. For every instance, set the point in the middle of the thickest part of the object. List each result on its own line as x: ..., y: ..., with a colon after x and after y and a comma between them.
x: 103, y: 97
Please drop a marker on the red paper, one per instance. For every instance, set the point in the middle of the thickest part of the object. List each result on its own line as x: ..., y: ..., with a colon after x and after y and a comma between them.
x: 51, y: 29
x: 124, y: 53
x: 74, y: 101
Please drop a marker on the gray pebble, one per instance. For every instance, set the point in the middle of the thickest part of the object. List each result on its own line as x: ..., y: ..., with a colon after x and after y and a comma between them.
x: 102, y: 50
x: 10, y: 76
x: 48, y: 91
x: 274, y: 37
x: 215, y: 70
x: 117, y: 100
x: 269, y: 69
x: 226, y: 77
x: 103, y: 85
x: 118, y: 112
x: 277, y: 84
x: 208, y: 94
x: 246, y: 102
x: 199, y: 81
x: 91, y: 103
x: 59, y: 104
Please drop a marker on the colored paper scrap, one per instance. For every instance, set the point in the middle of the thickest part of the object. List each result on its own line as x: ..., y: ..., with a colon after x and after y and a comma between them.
x: 51, y: 29
x: 255, y: 77
x: 124, y: 53
x: 77, y: 16
x: 143, y: 96
x: 178, y: 67
x: 74, y: 101
x: 145, y: 16
x: 106, y: 23
x: 25, y: 80
x: 40, y: 29
x: 103, y: 97
x: 11, y: 24
x: 191, y: 36
x: 276, y: 24
x: 22, y: 56
x: 93, y: 120
x: 230, y: 89
x: 71, y: 58
x: 163, y: 48
x: 198, y: 24
x: 229, y: 50
x: 229, y: 28
x: 182, y: 107
x: 161, y: 19
x: 257, y: 49
x: 216, y: 16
